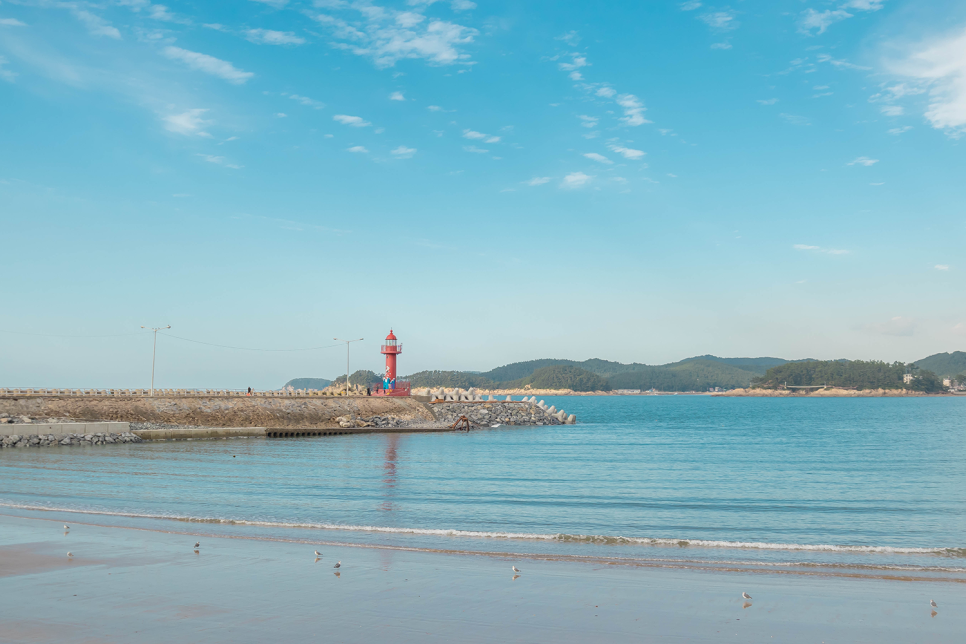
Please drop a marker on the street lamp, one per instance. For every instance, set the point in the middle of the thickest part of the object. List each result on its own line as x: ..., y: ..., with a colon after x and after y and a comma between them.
x: 154, y: 352
x: 347, y: 342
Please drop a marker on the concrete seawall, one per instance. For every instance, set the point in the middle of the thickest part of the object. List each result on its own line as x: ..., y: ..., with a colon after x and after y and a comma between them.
x: 63, y: 429
x: 217, y: 411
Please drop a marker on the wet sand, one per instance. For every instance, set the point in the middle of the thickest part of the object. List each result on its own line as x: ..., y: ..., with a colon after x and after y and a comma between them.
x: 130, y: 585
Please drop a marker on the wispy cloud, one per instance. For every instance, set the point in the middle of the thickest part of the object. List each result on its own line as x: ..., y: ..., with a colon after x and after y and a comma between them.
x: 633, y: 110
x: 572, y: 38
x: 588, y: 121
x: 402, y: 152
x: 11, y: 22
x: 208, y: 64
x: 210, y: 158
x: 6, y: 74
x: 768, y: 101
x: 899, y: 130
x: 188, y: 123
x: 358, y: 149
x: 306, y: 101
x: 599, y: 158
x: 388, y: 35
x: 941, y: 267
x: 690, y: 5
x: 720, y: 20
x: 474, y: 149
x: 96, y: 26
x: 270, y: 37
x: 814, y: 22
x: 397, y: 96
x: 537, y: 181
x: 795, y: 119
x: 864, y: 161
x: 575, y: 180
x: 819, y: 249
x: 627, y: 153
x: 352, y: 121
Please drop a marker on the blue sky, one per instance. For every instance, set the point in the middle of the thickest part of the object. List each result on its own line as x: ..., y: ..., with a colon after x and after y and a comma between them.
x: 498, y: 181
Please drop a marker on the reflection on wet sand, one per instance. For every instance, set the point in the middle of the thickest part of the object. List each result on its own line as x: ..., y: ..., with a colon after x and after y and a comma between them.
x: 389, y: 471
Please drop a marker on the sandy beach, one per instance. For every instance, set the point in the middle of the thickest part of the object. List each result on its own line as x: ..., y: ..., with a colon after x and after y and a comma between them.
x: 134, y: 585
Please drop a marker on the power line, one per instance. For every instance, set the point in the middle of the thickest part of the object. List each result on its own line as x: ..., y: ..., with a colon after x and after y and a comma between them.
x: 225, y: 346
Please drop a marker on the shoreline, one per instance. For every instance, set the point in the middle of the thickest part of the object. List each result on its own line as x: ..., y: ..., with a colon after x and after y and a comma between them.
x: 147, y: 586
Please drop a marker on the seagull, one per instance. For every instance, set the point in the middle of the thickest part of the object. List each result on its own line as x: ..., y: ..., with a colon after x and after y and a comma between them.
x: 66, y: 527
x: 198, y: 545
x: 70, y: 554
x: 318, y: 554
x: 746, y: 595
x: 338, y: 565
x: 932, y: 602
x: 514, y: 569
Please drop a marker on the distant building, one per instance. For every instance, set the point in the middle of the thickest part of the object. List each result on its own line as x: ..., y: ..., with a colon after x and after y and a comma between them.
x: 906, y: 378
x: 947, y: 382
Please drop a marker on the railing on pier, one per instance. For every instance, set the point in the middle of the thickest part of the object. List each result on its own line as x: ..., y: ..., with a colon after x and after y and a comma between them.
x: 403, y: 388
x: 8, y: 392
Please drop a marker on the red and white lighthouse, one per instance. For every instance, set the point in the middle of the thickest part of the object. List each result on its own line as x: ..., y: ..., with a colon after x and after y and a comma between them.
x: 391, y: 349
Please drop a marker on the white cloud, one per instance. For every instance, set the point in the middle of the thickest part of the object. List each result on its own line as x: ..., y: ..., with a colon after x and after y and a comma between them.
x: 690, y: 5
x: 187, y: 123
x: 768, y: 101
x: 96, y: 26
x: 628, y: 153
x: 864, y: 161
x: 575, y: 180
x: 599, y: 158
x: 819, y: 21
x: 720, y: 20
x: 11, y: 22
x: 208, y: 64
x: 588, y: 121
x: 794, y: 119
x: 576, y: 76
x: 571, y: 38
x: 281, y: 115
x: 210, y: 158
x: 864, y: 5
x: 721, y: 45
x: 577, y: 61
x: 388, y: 36
x: 278, y: 4
x: 305, y: 100
x: 897, y: 326
x: 841, y: 64
x: 462, y: 5
x: 893, y: 110
x: 470, y: 134
x: 6, y: 74
x: 358, y: 149
x: 269, y: 37
x: 397, y: 96
x: 899, y: 130
x: 493, y: 139
x: 606, y: 92
x: 819, y: 249
x: 402, y: 152
x: 941, y: 267
x: 537, y: 181
x: 633, y: 110
x: 353, y: 121
x: 939, y: 65
x: 474, y: 149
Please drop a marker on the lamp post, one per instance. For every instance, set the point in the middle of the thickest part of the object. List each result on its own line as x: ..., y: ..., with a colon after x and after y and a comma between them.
x: 154, y: 351
x: 347, y: 342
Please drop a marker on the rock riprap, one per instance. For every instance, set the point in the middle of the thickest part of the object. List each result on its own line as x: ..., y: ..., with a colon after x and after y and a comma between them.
x: 49, y: 440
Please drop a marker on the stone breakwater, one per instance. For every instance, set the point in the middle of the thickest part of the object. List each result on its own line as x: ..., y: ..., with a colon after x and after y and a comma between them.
x: 488, y: 414
x: 49, y: 440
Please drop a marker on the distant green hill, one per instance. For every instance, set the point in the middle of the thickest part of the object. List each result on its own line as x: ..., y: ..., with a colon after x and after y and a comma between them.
x: 693, y: 374
x: 944, y: 365
x: 308, y: 383
x: 861, y: 374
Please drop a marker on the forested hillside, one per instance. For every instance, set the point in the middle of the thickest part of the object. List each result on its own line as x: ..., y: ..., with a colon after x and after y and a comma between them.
x: 945, y: 365
x: 860, y: 374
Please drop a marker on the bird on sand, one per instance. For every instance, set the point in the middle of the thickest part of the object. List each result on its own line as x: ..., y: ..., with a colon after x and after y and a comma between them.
x: 514, y: 569
x: 746, y: 595
x: 318, y: 554
x: 198, y: 544
x: 338, y: 565
x: 932, y: 602
x: 70, y: 554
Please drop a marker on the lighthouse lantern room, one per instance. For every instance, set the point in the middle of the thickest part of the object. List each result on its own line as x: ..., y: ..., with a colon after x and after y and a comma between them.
x: 390, y: 387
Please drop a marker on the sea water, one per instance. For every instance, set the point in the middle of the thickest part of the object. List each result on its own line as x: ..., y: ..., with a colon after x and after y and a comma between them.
x: 876, y: 485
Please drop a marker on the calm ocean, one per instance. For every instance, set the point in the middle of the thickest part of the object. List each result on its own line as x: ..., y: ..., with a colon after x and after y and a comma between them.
x: 850, y: 484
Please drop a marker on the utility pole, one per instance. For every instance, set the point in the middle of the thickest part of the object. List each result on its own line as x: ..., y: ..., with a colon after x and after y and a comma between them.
x: 347, y: 342
x: 154, y: 352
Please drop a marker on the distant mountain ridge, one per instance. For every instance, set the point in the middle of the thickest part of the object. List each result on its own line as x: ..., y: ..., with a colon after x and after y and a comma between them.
x: 944, y: 365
